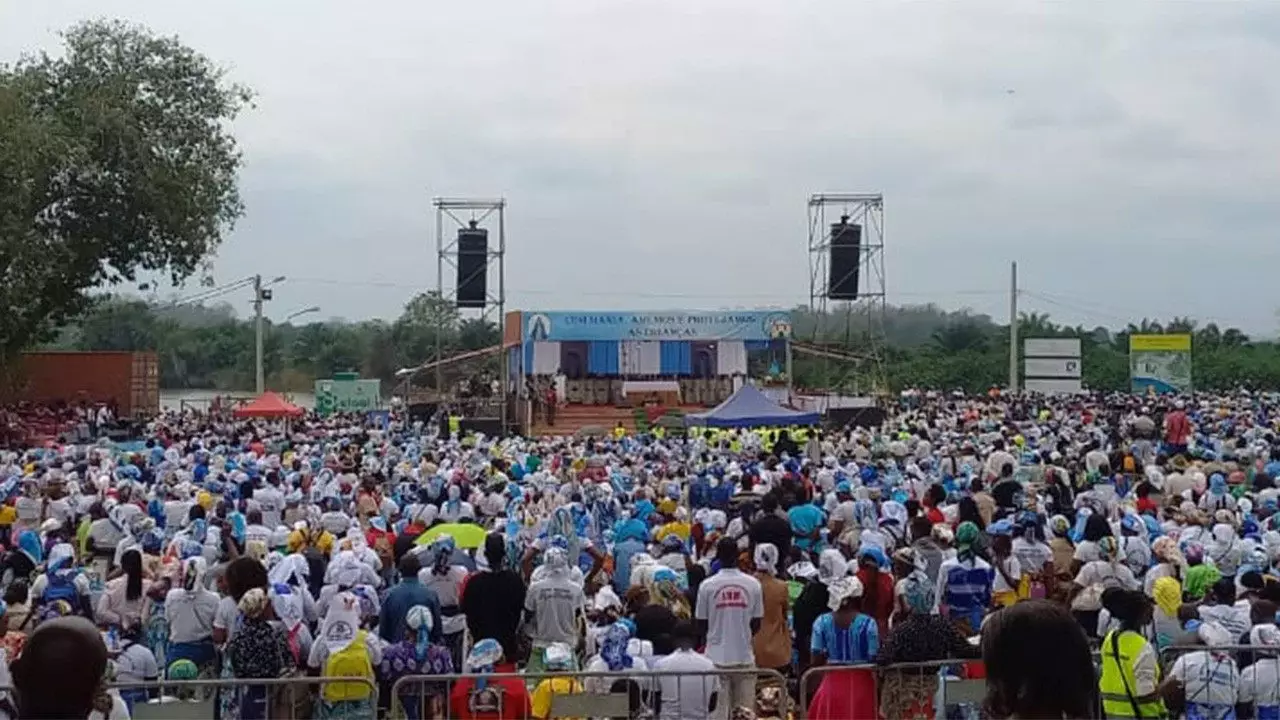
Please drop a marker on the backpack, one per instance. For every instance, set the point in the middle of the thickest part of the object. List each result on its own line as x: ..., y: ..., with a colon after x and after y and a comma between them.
x: 352, y: 661
x: 255, y: 651
x: 62, y: 586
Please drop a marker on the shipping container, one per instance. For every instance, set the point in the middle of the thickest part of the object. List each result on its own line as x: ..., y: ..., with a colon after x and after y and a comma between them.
x: 130, y: 380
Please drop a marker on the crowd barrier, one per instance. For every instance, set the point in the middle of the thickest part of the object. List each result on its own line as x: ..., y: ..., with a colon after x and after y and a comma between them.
x: 622, y: 694
x: 287, y: 698
x: 896, y: 690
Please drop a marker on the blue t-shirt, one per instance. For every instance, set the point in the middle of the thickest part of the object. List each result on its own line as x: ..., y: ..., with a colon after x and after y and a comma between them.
x: 854, y: 645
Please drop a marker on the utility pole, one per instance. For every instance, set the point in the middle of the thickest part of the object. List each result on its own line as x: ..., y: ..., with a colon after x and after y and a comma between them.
x: 1013, y: 327
x: 259, y: 377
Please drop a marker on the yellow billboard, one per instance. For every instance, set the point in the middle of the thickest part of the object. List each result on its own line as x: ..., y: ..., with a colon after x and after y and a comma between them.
x: 1160, y: 343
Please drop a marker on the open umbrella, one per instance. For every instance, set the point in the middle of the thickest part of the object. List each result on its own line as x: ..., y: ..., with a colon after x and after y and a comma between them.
x: 465, y: 535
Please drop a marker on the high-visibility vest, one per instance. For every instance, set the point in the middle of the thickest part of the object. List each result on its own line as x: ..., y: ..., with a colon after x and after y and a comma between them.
x: 455, y: 424
x: 1117, y: 701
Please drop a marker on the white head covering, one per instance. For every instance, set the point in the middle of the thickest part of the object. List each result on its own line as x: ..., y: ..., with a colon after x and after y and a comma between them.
x: 841, y: 589
x: 341, y: 622
x: 288, y: 604
x: 1264, y: 635
x: 345, y: 570
x: 831, y: 566
x: 766, y: 557
x: 292, y: 567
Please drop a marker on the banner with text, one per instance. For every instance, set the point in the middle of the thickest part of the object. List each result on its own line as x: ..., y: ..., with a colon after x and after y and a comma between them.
x: 1160, y: 363
x: 568, y: 326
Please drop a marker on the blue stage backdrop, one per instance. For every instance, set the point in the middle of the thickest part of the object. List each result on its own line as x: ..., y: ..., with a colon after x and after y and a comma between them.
x: 567, y: 326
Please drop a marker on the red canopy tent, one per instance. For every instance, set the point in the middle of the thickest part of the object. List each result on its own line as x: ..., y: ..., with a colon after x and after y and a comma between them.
x: 269, y: 405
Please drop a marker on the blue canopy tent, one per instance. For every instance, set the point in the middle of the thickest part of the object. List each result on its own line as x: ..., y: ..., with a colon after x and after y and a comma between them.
x: 748, y: 407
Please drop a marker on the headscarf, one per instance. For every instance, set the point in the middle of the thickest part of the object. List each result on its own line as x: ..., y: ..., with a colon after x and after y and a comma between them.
x: 864, y: 514
x: 192, y: 571
x: 766, y: 558
x: 341, y: 622
x: 288, y: 604
x: 61, y: 558
x: 966, y: 536
x: 441, y: 553
x: 483, y: 656
x: 841, y: 589
x: 419, y: 619
x: 1168, y: 595
x: 253, y: 603
x: 918, y: 591
x: 556, y: 561
x: 613, y: 647
x: 664, y: 589
x: 831, y: 566
x: 291, y: 570
x: 1264, y: 635
x: 345, y: 570
x: 875, y: 554
x: 1108, y: 549
x: 29, y: 545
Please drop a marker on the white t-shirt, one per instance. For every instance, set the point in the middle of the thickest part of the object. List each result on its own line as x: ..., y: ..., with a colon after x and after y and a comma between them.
x: 1108, y: 575
x: 1260, y: 683
x: 136, y: 664
x: 1032, y: 556
x: 555, y: 602
x: 686, y: 697
x: 176, y: 513
x: 271, y: 501
x: 1235, y: 619
x: 1011, y: 566
x: 190, y: 615
x: 1208, y: 678
x: 729, y: 601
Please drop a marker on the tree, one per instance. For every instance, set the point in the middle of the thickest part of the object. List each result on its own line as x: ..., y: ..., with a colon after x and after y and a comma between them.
x: 115, y: 159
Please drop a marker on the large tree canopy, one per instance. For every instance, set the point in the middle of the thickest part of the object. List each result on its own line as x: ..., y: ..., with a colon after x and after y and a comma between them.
x: 115, y: 159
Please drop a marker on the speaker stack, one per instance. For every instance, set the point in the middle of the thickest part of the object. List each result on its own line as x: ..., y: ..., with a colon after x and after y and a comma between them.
x: 473, y: 265
x: 846, y: 251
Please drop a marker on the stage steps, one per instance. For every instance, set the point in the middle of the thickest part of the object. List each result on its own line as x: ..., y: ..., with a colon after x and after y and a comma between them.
x: 572, y: 418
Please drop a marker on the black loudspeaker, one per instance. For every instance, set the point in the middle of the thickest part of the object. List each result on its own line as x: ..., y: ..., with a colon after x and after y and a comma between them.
x: 473, y: 264
x: 842, y: 281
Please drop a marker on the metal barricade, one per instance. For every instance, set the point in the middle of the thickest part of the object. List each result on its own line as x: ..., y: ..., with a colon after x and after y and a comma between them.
x: 286, y: 698
x: 894, y: 690
x: 622, y: 694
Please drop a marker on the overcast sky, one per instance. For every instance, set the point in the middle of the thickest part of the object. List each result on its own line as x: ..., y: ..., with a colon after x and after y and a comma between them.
x: 659, y: 154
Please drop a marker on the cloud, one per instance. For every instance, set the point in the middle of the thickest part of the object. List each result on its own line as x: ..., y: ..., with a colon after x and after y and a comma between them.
x: 659, y: 153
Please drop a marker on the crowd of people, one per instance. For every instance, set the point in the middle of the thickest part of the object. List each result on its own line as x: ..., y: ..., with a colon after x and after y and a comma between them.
x: 1058, y: 547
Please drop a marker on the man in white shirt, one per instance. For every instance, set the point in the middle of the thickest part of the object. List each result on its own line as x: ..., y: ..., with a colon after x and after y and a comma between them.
x: 692, y: 694
x: 729, y: 610
x: 272, y: 501
x: 554, y: 600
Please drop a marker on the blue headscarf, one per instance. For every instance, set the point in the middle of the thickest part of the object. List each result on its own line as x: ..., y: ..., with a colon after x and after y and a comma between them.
x: 613, y: 647
x: 483, y: 656
x: 630, y: 529
x: 29, y: 545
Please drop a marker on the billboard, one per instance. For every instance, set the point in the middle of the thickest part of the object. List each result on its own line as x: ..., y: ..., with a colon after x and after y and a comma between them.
x: 1160, y: 363
x: 341, y: 395
x: 1051, y: 365
x: 571, y: 326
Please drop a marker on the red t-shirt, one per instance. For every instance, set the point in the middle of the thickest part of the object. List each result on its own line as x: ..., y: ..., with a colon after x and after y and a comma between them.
x: 881, y: 606
x: 501, y: 699
x: 1177, y: 428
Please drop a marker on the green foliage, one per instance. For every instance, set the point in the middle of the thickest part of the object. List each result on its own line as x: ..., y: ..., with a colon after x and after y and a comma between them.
x: 115, y: 159
x: 208, y: 347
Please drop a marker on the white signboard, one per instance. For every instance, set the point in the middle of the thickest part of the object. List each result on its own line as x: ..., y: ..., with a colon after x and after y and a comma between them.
x: 1051, y: 367
x: 1053, y: 387
x: 1052, y: 347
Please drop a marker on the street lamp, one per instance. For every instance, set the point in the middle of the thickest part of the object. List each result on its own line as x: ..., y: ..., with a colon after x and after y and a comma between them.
x: 261, y: 293
x: 303, y: 311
